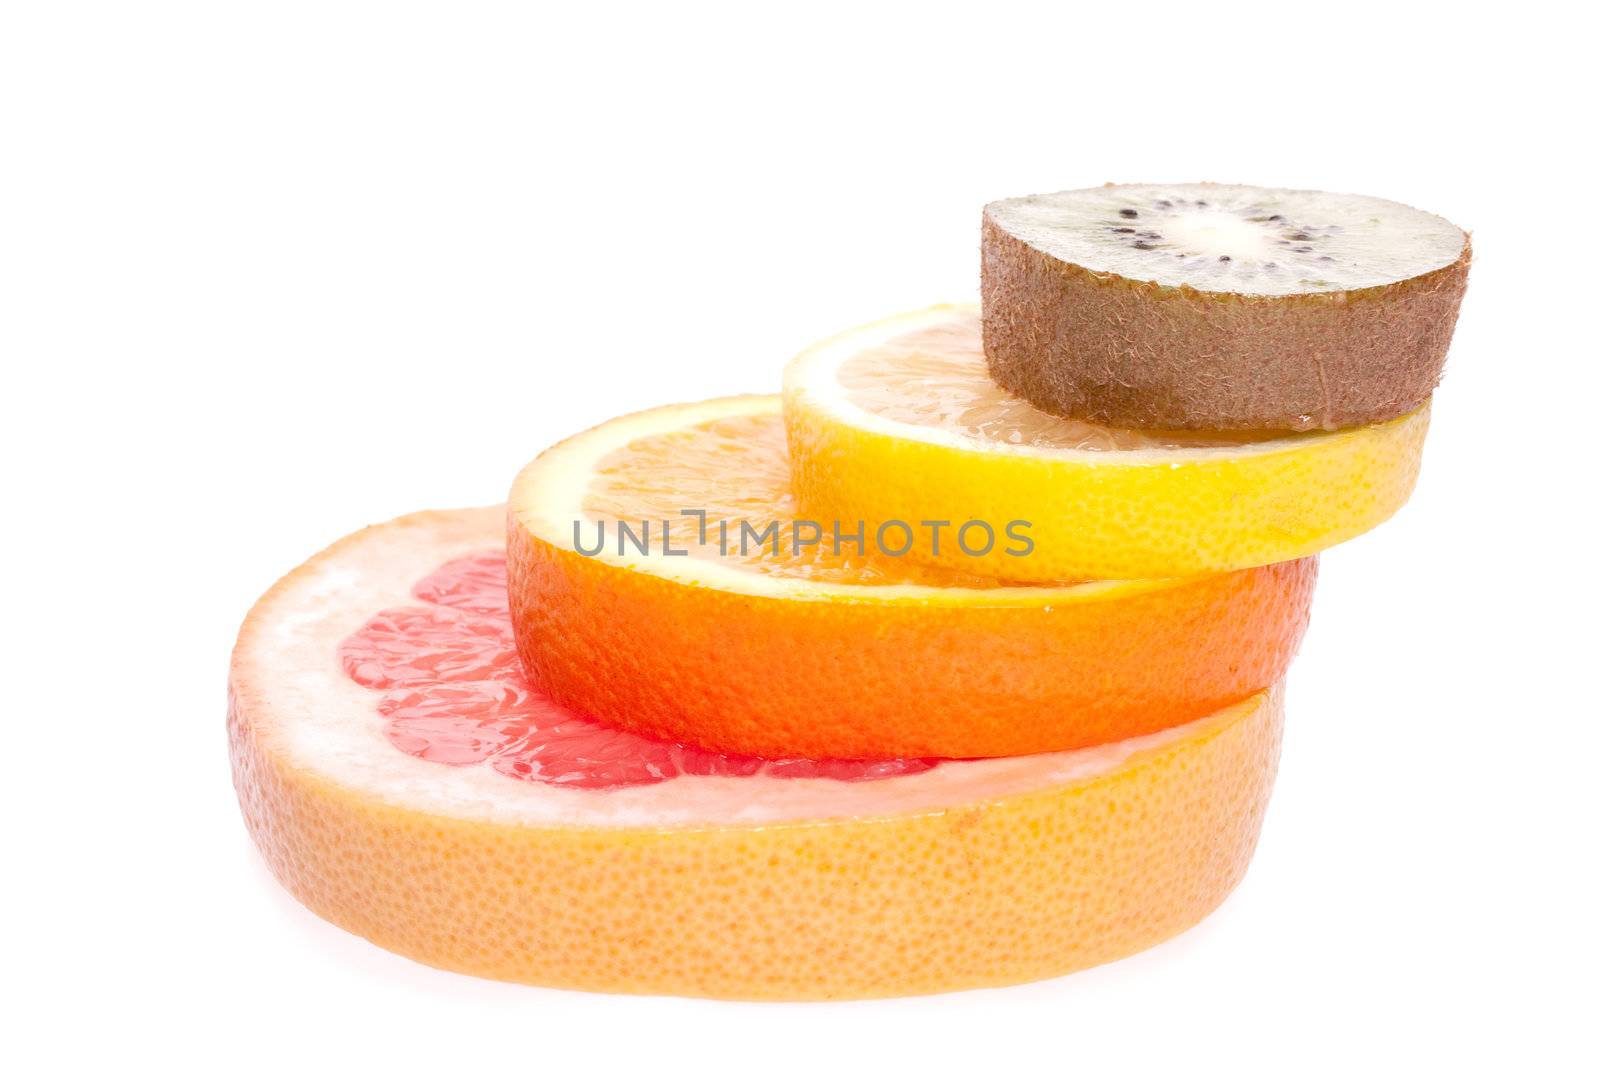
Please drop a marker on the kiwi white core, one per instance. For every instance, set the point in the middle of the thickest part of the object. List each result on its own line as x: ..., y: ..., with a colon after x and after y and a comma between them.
x: 1234, y: 238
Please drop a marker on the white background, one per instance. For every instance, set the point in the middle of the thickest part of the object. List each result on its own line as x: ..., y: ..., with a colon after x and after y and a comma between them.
x: 274, y: 271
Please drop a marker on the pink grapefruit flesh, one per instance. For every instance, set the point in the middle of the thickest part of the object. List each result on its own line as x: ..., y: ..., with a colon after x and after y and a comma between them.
x: 454, y: 692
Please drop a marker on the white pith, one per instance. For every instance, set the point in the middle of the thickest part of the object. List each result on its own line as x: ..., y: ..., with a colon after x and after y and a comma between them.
x: 811, y: 380
x: 1369, y: 241
x: 548, y: 495
x: 309, y: 714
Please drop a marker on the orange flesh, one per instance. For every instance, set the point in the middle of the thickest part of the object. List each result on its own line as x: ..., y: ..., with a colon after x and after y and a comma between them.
x: 937, y: 377
x: 737, y: 471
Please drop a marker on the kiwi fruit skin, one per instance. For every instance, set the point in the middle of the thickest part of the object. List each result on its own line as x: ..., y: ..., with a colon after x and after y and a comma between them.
x: 1141, y: 354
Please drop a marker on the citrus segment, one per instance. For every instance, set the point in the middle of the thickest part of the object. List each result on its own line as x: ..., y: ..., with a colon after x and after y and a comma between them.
x: 899, y: 420
x: 454, y: 693
x: 832, y: 652
x: 970, y: 873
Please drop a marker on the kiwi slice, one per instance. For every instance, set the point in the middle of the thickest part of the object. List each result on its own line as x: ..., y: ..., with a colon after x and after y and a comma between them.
x: 1219, y: 307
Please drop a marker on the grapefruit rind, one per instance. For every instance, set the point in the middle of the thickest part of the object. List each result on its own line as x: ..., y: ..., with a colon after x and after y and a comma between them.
x: 736, y: 660
x: 1135, y: 513
x: 971, y: 874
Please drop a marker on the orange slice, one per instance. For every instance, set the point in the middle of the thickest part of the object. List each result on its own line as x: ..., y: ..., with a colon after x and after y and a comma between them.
x: 899, y: 420
x: 788, y: 648
x: 743, y: 882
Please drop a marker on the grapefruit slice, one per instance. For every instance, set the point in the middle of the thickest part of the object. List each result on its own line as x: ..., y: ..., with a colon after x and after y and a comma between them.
x: 821, y: 651
x: 900, y: 418
x: 741, y: 882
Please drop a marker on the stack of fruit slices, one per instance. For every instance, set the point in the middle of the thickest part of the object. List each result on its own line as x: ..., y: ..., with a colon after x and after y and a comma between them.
x: 959, y: 664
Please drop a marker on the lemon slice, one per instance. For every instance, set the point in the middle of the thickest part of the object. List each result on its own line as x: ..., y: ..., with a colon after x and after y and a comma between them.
x: 898, y: 422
